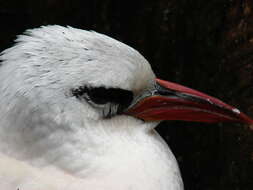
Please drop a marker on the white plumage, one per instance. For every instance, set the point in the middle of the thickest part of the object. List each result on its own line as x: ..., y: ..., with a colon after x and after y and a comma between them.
x: 51, y: 140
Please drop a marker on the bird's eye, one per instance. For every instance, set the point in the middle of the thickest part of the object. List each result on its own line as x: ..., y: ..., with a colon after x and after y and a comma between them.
x: 102, y: 95
x: 98, y: 95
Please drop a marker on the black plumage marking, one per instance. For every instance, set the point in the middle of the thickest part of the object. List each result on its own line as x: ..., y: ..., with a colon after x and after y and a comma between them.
x: 102, y: 95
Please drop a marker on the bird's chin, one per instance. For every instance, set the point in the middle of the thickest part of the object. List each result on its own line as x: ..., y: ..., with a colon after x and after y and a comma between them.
x: 126, y: 121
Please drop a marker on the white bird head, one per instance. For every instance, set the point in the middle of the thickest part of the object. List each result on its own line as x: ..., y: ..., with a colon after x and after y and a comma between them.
x: 53, y: 63
x: 59, y: 81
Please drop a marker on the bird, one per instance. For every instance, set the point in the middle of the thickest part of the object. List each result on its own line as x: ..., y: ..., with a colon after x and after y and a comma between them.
x: 79, y: 109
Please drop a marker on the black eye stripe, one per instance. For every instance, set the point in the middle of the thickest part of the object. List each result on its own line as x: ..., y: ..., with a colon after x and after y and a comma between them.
x: 102, y: 95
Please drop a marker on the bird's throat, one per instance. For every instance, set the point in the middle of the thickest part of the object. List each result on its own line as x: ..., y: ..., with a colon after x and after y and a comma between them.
x: 124, y: 150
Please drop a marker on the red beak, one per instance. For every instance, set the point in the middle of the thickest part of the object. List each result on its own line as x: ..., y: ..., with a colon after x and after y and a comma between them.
x: 171, y: 101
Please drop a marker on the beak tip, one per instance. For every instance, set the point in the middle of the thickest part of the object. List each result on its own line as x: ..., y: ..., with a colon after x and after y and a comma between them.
x: 243, y: 118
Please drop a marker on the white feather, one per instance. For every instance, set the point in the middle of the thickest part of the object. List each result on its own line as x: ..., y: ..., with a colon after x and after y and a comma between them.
x: 50, y: 140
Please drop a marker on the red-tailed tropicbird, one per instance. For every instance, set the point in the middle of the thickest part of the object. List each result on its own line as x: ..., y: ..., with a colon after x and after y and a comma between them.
x: 78, y: 111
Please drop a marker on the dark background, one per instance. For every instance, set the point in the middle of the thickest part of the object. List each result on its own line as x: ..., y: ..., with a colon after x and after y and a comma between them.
x: 207, y: 45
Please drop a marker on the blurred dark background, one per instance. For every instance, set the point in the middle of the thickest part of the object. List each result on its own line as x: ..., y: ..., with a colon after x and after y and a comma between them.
x: 207, y: 45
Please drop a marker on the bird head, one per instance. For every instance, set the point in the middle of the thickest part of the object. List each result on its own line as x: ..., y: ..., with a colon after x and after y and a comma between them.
x: 93, y: 76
